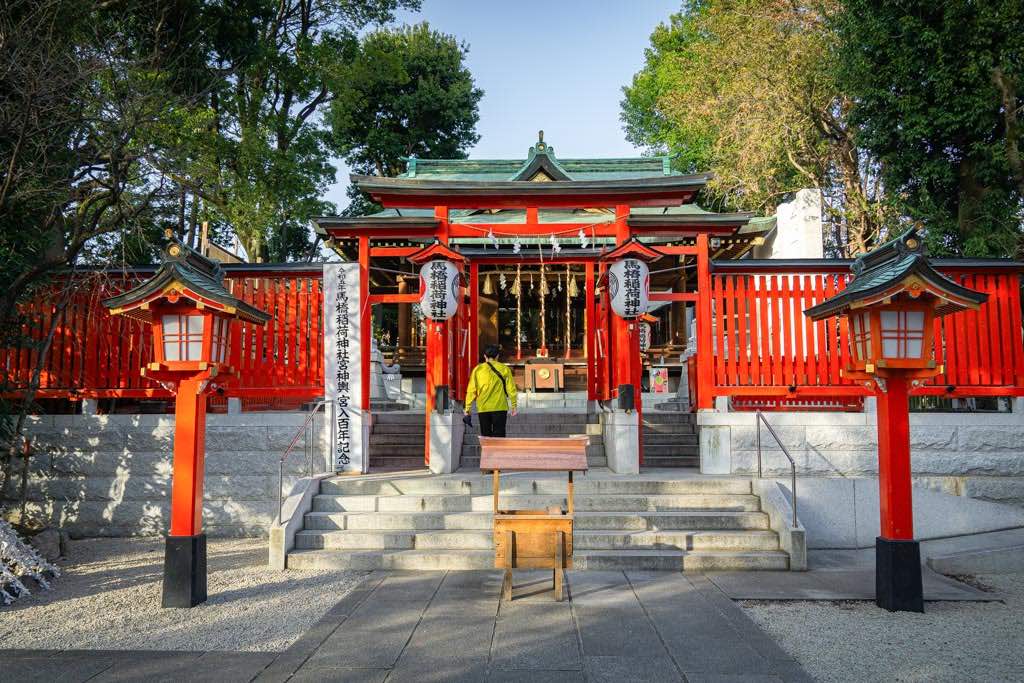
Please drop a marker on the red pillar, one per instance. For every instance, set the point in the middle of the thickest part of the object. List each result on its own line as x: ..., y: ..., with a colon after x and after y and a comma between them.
x: 894, y: 486
x: 590, y: 318
x: 189, y: 458
x: 705, y: 360
x: 474, y: 311
x: 627, y: 338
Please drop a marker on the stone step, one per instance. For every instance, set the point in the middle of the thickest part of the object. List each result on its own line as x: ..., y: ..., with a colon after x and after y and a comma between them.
x: 417, y: 427
x: 584, y: 503
x: 608, y: 521
x: 410, y: 438
x: 670, y: 428
x: 671, y: 460
x: 396, y: 450
x: 663, y: 451
x: 665, y: 439
x: 681, y: 560
x: 401, y: 463
x: 470, y: 451
x: 405, y: 417
x: 669, y: 418
x: 666, y: 560
x: 471, y: 463
x: 582, y: 540
x: 526, y: 484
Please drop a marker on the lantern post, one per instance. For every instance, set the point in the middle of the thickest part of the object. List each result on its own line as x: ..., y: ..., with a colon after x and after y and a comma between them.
x: 891, y: 305
x: 440, y: 293
x: 190, y: 314
x: 628, y: 282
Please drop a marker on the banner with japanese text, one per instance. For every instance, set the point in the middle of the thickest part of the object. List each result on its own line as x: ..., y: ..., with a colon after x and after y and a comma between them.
x: 343, y: 378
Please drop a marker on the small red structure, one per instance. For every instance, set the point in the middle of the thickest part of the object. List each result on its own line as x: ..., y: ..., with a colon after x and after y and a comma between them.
x: 891, y: 306
x: 190, y: 314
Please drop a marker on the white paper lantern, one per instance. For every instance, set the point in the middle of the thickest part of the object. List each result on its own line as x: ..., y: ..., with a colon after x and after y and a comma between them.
x: 645, y: 337
x: 439, y: 289
x: 629, y: 283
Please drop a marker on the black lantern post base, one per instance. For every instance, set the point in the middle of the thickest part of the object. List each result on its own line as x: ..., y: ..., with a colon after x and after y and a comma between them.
x: 184, y: 571
x: 898, y: 575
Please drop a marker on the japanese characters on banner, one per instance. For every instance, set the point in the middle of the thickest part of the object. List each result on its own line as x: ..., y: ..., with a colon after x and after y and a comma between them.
x: 645, y: 336
x: 629, y: 282
x: 343, y: 378
x: 439, y: 289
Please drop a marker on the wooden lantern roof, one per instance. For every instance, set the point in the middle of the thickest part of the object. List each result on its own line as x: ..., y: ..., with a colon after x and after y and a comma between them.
x: 184, y: 273
x: 635, y: 249
x: 436, y: 250
x: 898, y: 266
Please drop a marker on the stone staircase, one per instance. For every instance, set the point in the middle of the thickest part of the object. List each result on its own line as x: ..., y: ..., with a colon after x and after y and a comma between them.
x: 540, y: 424
x: 445, y: 522
x: 397, y: 441
x: 671, y: 440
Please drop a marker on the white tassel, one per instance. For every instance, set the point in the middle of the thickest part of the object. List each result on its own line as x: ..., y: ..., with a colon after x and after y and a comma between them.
x: 555, y: 247
x: 584, y: 241
x: 516, y: 246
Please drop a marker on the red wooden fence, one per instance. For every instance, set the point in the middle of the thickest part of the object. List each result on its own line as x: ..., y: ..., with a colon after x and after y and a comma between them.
x: 764, y: 350
x: 764, y: 346
x: 96, y: 355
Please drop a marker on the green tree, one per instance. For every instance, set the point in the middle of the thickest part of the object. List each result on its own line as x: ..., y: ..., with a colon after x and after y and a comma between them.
x: 257, y: 154
x: 407, y: 92
x: 936, y: 92
x: 745, y: 89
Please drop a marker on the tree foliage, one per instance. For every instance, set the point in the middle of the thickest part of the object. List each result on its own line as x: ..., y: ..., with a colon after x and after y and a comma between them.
x: 743, y: 88
x: 937, y: 92
x: 407, y: 92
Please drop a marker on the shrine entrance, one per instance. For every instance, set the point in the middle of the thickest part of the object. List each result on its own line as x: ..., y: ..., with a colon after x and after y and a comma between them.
x: 526, y: 249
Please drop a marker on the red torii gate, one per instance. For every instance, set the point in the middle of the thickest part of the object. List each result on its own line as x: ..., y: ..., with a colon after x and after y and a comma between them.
x: 619, y: 364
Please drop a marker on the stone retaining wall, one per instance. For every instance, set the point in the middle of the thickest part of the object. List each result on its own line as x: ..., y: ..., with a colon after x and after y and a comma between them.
x: 109, y: 475
x: 980, y: 455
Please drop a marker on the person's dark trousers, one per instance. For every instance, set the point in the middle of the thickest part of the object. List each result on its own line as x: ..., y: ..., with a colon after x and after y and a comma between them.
x: 493, y: 423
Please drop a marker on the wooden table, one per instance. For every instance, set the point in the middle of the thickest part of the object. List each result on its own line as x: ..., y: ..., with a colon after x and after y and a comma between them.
x: 538, y: 539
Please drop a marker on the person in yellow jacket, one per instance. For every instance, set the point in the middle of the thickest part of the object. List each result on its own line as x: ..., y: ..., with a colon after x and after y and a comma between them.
x: 492, y: 387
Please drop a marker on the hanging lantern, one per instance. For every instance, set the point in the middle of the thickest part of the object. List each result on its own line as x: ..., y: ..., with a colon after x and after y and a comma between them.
x: 645, y: 336
x: 439, y: 287
x: 488, y: 285
x: 629, y: 283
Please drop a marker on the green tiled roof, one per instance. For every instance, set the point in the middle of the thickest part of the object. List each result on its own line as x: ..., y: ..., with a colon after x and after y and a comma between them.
x: 509, y: 169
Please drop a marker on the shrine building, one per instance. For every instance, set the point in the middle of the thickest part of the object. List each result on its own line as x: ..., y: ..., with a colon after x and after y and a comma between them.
x: 665, y: 332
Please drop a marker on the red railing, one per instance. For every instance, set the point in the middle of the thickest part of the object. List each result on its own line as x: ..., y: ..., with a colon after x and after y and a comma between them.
x: 764, y: 346
x: 96, y: 355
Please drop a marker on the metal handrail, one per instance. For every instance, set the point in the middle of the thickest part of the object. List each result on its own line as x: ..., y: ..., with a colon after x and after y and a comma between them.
x: 284, y: 456
x: 759, y: 419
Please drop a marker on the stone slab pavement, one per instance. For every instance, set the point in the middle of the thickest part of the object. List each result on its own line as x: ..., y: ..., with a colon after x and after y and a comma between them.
x: 453, y: 626
x: 837, y: 584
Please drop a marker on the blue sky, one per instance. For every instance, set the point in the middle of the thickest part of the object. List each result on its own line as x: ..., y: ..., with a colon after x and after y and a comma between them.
x: 557, y: 65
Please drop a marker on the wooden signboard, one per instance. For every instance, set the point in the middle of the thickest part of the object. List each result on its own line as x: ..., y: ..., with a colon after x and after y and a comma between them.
x: 534, y: 539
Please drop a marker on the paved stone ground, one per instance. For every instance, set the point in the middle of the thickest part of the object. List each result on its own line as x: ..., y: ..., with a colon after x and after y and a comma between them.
x: 452, y: 626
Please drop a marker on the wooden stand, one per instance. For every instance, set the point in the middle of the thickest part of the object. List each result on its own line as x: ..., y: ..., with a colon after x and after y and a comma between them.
x: 535, y: 539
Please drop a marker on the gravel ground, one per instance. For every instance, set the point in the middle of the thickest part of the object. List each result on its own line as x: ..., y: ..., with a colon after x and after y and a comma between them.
x: 108, y: 598
x: 951, y: 641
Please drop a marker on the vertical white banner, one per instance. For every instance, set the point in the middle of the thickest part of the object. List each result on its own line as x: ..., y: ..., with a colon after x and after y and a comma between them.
x: 343, y: 378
